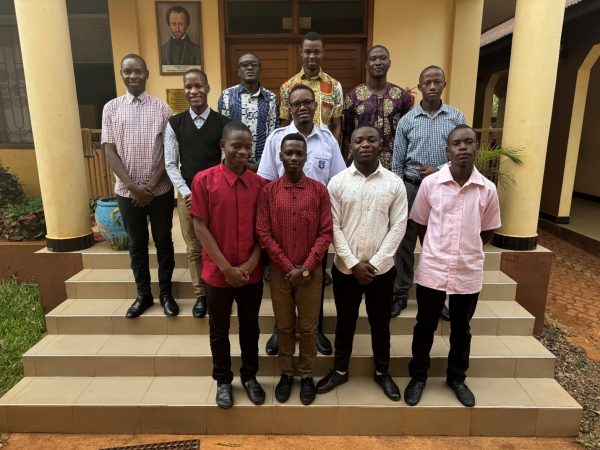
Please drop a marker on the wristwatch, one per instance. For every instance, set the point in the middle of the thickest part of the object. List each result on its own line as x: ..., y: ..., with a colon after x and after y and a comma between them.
x: 305, y: 272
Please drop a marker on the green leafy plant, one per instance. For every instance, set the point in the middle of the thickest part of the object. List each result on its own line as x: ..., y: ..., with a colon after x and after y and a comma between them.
x: 10, y: 188
x: 492, y: 161
x: 23, y: 221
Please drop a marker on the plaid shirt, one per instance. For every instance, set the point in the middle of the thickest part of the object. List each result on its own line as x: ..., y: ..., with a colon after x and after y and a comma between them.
x: 259, y: 111
x: 421, y: 139
x: 328, y: 95
x: 136, y: 125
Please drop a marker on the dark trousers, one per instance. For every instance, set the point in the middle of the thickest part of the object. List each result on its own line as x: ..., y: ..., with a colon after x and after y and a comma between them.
x: 348, y: 293
x: 324, y: 268
x: 404, y: 258
x: 135, y: 219
x: 462, y: 308
x: 220, y: 301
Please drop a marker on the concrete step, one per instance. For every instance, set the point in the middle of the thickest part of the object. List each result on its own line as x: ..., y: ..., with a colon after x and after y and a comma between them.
x: 190, y: 355
x: 185, y: 405
x: 100, y: 256
x: 119, y: 283
x: 107, y: 316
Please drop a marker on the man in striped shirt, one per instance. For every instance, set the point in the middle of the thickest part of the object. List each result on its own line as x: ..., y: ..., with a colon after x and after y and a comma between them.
x: 133, y: 127
x: 419, y: 151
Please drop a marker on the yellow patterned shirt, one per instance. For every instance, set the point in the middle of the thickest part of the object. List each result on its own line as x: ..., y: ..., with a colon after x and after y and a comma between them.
x: 328, y: 95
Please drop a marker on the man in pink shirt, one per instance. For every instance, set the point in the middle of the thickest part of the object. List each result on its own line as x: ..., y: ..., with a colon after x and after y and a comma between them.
x: 456, y: 211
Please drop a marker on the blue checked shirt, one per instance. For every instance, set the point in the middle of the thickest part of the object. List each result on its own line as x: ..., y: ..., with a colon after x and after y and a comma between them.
x: 259, y: 111
x: 421, y: 139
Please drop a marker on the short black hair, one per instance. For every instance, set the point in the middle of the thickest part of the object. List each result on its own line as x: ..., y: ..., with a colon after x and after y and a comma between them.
x: 299, y: 87
x: 293, y: 137
x: 134, y: 56
x: 178, y: 9
x: 430, y: 68
x: 462, y: 126
x: 233, y: 126
x: 249, y: 53
x: 364, y: 125
x: 198, y: 71
x: 312, y: 36
x: 384, y: 48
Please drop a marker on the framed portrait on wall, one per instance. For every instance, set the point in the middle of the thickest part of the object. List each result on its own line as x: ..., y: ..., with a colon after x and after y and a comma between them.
x: 179, y: 26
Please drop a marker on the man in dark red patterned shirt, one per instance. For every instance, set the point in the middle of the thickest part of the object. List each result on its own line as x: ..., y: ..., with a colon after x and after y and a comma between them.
x: 294, y: 226
x: 224, y: 210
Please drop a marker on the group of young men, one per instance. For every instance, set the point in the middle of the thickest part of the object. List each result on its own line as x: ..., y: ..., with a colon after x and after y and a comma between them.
x: 256, y: 180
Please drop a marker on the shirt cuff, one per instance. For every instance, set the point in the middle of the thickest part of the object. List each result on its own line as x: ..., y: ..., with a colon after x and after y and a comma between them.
x: 350, y: 261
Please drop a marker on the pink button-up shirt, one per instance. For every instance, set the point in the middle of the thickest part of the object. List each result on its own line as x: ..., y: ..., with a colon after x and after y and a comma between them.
x: 452, y: 255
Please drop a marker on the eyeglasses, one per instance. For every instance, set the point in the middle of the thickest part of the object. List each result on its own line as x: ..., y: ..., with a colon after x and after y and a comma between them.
x: 247, y: 65
x: 297, y: 105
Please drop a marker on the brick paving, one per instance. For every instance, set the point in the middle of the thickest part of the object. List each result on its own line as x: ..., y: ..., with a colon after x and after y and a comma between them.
x: 574, y: 291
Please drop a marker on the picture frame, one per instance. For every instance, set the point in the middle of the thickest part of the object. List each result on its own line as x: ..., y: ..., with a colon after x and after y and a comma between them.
x: 179, y: 33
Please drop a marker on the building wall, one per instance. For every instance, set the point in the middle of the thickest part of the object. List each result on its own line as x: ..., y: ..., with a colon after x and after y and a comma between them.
x: 588, y: 163
x: 133, y: 30
x: 22, y: 162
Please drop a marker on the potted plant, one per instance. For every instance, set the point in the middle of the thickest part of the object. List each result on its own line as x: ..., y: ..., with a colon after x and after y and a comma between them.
x: 110, y: 223
x: 491, y: 162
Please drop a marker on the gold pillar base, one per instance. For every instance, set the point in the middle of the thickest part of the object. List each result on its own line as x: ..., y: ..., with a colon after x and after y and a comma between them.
x: 70, y: 244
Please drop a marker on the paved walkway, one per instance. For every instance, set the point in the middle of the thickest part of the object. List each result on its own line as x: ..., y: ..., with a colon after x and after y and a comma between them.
x: 574, y: 291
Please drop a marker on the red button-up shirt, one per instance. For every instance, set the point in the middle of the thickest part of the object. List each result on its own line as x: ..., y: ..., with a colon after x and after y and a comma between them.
x: 227, y: 203
x: 294, y: 222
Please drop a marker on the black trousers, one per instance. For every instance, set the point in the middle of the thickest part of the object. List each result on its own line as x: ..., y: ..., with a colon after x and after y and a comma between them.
x: 220, y: 301
x: 348, y: 293
x: 462, y: 308
x: 135, y: 219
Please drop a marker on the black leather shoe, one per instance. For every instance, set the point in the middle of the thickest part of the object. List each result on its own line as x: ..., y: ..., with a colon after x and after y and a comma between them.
x: 255, y: 392
x: 199, y: 309
x: 412, y: 393
x: 225, y: 396
x: 398, y: 304
x: 140, y: 305
x: 272, y: 348
x: 323, y: 344
x: 332, y: 380
x: 284, y: 388
x: 445, y: 314
x: 390, y: 389
x: 169, y: 305
x: 463, y: 393
x: 308, y: 391
x: 328, y: 280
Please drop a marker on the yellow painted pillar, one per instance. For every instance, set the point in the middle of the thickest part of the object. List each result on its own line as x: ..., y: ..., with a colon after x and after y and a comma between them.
x: 48, y: 67
x: 529, y: 99
x: 577, y: 114
x: 464, y: 57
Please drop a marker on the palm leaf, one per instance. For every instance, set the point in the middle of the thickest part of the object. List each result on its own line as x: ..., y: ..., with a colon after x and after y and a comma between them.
x: 494, y: 163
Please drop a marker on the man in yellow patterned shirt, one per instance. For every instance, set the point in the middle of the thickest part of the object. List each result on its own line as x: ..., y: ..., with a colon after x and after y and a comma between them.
x: 328, y: 91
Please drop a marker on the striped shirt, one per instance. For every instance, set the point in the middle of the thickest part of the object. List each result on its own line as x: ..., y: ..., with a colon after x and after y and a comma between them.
x: 259, y: 111
x: 328, y: 95
x: 421, y: 139
x: 136, y: 125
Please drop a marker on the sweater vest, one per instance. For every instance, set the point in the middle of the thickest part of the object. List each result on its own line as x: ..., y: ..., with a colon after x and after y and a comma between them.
x: 199, y: 149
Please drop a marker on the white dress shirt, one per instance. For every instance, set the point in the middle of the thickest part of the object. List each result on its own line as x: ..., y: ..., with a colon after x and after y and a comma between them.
x: 323, y: 159
x: 369, y: 218
x: 172, y: 152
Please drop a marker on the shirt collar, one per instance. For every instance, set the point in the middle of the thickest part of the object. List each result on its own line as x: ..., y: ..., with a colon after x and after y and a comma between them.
x: 204, y: 114
x: 420, y: 111
x: 231, y: 176
x: 293, y: 129
x: 288, y: 184
x: 129, y: 97
x: 243, y: 90
x: 445, y: 176
x: 355, y: 171
x: 319, y: 76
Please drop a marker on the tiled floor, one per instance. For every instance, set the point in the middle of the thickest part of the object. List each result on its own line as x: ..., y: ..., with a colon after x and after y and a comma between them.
x: 585, y: 218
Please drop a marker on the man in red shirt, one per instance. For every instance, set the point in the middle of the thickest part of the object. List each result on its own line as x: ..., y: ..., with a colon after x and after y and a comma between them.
x: 224, y: 201
x: 294, y: 226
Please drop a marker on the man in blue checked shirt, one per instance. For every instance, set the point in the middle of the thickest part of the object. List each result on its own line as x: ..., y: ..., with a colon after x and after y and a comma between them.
x: 251, y: 104
x: 419, y: 151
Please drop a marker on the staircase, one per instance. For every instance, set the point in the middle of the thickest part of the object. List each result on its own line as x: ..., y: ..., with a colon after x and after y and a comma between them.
x: 97, y: 372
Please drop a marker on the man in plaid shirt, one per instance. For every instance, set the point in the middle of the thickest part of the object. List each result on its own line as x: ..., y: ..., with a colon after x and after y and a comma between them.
x: 132, y: 135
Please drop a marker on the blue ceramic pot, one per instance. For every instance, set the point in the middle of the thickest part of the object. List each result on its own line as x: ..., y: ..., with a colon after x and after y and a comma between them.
x: 110, y: 223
